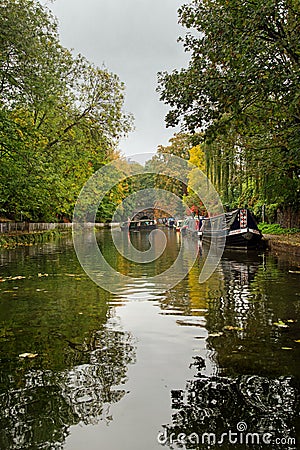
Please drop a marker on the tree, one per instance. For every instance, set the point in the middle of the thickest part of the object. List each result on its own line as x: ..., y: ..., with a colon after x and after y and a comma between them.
x: 191, y: 199
x: 179, y: 146
x: 61, y: 116
x: 242, y: 81
x: 34, y: 67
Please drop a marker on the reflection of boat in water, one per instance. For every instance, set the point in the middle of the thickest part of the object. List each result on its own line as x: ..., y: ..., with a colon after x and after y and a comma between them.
x: 239, y: 227
x: 138, y: 225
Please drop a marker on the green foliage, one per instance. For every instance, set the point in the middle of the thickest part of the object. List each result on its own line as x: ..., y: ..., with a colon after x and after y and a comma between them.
x: 179, y: 146
x: 267, y: 228
x: 242, y: 88
x: 61, y: 117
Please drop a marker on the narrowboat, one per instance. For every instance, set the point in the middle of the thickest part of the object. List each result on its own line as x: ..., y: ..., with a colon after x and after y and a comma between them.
x: 138, y: 225
x: 238, y: 226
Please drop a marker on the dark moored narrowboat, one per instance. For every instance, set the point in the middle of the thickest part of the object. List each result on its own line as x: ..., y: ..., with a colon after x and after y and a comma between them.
x: 238, y: 226
x: 138, y: 225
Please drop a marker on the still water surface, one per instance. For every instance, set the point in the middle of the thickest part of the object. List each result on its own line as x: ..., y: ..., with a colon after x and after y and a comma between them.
x: 118, y: 371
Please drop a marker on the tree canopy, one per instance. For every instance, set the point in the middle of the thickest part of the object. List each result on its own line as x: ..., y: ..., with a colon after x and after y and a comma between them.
x: 241, y: 90
x: 61, y: 116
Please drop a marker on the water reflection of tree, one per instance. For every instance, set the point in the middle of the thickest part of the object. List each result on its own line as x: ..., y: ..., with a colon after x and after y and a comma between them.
x: 256, y: 379
x: 139, y: 241
x: 38, y: 406
x: 240, y: 303
x: 82, y: 355
x: 217, y: 404
x: 254, y: 299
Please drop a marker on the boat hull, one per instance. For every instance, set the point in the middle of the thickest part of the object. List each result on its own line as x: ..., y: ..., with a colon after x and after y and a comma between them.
x: 238, y: 227
x: 136, y: 226
x: 245, y: 238
x: 142, y: 227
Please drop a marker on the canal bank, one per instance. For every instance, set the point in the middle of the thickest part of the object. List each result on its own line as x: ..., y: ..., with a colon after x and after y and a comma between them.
x: 10, y: 241
x: 286, y: 247
x: 15, y: 234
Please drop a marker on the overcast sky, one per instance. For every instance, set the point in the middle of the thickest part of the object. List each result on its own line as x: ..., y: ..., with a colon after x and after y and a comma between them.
x: 135, y: 39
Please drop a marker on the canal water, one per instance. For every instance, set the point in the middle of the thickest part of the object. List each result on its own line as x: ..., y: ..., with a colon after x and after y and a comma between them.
x: 215, y: 365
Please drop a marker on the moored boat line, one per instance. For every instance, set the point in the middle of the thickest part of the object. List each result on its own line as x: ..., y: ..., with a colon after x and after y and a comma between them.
x: 238, y: 227
x: 138, y: 225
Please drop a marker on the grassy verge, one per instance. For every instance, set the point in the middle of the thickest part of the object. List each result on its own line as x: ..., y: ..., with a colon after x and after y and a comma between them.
x: 26, y: 239
x: 267, y: 228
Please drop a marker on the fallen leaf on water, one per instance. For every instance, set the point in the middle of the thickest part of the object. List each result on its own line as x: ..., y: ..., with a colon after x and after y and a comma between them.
x: 286, y: 348
x: 28, y: 355
x: 280, y: 324
x: 216, y: 334
x: 192, y: 321
x: 231, y: 328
